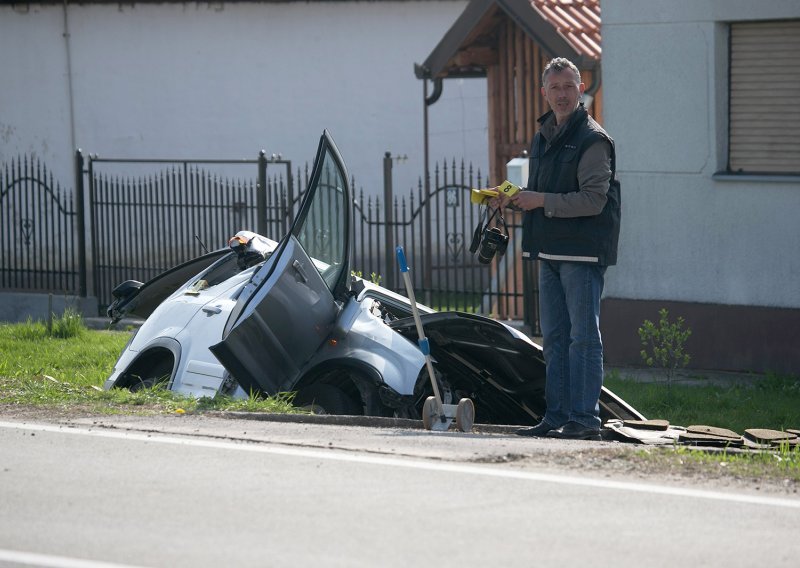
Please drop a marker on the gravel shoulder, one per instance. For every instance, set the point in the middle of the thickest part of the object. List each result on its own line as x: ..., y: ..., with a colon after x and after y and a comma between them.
x: 494, y: 446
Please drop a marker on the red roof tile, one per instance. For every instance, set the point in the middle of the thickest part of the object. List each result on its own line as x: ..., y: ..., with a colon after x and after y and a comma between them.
x: 578, y: 22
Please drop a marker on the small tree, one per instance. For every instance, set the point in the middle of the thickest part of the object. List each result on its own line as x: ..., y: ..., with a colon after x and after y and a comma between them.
x: 663, y: 345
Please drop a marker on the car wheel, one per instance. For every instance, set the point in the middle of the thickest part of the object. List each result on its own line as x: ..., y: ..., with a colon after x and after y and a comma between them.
x: 157, y: 374
x: 140, y: 383
x: 326, y: 399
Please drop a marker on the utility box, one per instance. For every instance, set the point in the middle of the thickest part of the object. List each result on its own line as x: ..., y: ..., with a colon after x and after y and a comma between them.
x: 517, y: 171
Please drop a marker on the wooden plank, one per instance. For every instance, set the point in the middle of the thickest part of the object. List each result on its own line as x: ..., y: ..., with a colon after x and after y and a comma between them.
x: 492, y: 80
x: 542, y: 59
x: 519, y: 93
x: 501, y: 133
x: 529, y: 93
x: 482, y: 56
x: 508, y: 135
x: 598, y: 107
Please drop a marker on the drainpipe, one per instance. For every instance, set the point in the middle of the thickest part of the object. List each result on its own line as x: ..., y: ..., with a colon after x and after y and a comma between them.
x: 70, y: 95
x: 597, y: 80
x: 80, y: 202
x: 424, y: 74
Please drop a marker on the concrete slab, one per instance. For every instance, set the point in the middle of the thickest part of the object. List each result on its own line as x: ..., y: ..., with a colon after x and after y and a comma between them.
x: 19, y: 306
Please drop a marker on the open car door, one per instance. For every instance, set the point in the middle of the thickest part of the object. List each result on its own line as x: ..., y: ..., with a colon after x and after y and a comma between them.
x: 290, y: 305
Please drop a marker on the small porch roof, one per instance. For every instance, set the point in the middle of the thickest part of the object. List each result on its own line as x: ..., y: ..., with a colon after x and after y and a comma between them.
x: 565, y: 28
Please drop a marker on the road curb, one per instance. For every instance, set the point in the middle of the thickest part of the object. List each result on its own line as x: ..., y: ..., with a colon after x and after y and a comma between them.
x: 343, y: 420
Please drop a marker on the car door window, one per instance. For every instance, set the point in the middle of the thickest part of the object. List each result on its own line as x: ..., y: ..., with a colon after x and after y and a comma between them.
x: 323, y: 232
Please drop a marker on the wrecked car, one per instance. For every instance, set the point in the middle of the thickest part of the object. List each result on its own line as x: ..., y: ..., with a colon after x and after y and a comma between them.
x: 265, y: 316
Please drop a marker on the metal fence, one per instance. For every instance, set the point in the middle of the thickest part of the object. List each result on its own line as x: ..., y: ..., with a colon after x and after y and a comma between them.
x: 39, y: 231
x: 436, y: 227
x: 169, y: 211
x: 145, y: 216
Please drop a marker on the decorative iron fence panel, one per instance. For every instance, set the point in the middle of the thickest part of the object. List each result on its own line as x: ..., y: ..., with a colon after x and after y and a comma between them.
x: 144, y: 223
x: 444, y: 272
x: 38, y: 231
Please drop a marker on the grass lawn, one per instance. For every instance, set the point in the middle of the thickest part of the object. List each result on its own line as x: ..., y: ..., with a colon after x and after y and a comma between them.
x: 771, y: 402
x: 69, y: 363
x: 67, y: 366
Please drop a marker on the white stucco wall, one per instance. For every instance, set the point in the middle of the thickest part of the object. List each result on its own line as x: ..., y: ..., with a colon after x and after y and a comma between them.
x: 686, y: 235
x: 224, y: 80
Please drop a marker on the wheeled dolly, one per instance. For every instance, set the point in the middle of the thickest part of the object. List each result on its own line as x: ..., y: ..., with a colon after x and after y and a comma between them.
x: 435, y: 414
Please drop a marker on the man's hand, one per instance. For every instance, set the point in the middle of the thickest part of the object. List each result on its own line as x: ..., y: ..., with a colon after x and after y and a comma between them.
x: 499, y: 202
x: 527, y: 200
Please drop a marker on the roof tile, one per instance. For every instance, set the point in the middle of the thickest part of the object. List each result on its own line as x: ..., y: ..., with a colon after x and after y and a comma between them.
x: 578, y: 21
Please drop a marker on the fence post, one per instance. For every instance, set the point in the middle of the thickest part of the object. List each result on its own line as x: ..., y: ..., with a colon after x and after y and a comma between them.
x: 289, y: 195
x: 93, y: 270
x: 81, y: 219
x: 388, y: 220
x: 261, y: 195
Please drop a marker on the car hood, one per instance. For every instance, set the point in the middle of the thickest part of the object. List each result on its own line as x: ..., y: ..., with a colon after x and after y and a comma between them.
x: 137, y: 299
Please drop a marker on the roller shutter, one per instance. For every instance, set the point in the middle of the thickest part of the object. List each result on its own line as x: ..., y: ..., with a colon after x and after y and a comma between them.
x: 765, y: 97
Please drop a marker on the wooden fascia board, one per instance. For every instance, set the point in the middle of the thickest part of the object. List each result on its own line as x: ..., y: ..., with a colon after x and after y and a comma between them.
x: 449, y: 45
x: 543, y: 32
x: 522, y: 13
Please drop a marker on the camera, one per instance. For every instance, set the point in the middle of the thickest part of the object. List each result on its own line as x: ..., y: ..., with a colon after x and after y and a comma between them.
x: 494, y: 241
x: 488, y: 242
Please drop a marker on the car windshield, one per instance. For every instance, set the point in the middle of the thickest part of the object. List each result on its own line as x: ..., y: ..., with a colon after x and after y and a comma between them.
x: 323, y: 233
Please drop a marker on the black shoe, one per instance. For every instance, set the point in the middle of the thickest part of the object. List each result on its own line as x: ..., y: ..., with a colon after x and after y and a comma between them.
x: 541, y: 429
x: 575, y: 431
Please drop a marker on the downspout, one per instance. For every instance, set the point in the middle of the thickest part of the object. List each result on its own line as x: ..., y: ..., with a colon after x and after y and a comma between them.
x: 597, y: 80
x: 427, y: 276
x: 70, y: 96
x: 80, y: 201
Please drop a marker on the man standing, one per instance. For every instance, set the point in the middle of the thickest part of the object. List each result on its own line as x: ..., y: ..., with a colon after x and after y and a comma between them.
x: 571, y: 225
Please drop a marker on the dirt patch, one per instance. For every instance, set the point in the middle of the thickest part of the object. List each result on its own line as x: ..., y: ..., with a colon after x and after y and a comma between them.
x: 763, y: 472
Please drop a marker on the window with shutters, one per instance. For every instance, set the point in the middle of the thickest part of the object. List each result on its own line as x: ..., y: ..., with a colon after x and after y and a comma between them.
x: 764, y: 124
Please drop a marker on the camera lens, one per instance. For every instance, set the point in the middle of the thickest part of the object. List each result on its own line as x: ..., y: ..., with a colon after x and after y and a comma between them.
x: 493, y: 242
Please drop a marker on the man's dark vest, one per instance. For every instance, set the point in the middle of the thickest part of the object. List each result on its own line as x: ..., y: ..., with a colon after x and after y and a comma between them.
x: 554, y: 169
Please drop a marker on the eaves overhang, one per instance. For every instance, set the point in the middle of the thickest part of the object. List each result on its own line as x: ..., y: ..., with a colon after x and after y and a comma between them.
x: 470, y: 45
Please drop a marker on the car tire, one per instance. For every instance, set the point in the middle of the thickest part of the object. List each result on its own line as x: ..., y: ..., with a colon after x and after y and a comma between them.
x: 157, y: 375
x: 327, y: 399
x: 145, y: 383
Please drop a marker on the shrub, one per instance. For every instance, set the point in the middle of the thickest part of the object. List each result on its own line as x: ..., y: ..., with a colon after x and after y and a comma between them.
x: 663, y: 344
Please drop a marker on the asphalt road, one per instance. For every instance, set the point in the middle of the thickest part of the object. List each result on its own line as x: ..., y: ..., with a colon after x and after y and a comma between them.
x: 200, y: 491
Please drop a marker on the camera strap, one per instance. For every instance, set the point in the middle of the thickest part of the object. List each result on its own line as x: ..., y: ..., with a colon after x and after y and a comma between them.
x: 484, y: 222
x: 500, y: 218
x: 478, y: 233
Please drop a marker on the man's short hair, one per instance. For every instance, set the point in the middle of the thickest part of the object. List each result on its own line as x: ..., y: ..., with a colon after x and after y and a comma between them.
x: 559, y: 64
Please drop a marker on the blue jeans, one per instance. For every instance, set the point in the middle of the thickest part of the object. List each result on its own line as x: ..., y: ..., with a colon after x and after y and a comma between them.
x: 569, y: 307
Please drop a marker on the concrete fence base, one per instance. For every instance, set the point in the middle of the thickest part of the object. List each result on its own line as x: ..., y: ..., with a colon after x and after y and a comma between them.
x: 19, y: 306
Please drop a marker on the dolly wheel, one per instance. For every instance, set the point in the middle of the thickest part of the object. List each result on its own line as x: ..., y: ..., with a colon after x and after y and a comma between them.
x: 465, y: 415
x: 429, y: 413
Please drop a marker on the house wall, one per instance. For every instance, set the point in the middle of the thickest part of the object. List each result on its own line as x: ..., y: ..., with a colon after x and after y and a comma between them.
x: 225, y: 80
x: 720, y: 251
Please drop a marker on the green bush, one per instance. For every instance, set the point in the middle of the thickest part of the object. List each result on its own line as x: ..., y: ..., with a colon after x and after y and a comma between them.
x: 663, y: 345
